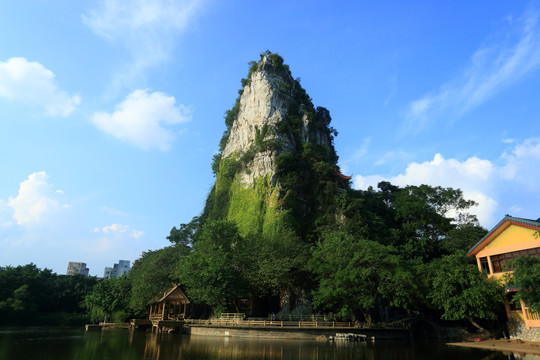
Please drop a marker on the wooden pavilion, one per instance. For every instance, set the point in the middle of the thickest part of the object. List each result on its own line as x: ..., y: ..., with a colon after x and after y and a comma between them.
x: 171, y: 305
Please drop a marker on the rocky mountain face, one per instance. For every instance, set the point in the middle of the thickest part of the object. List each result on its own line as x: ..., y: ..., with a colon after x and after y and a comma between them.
x: 275, y: 145
x: 264, y: 104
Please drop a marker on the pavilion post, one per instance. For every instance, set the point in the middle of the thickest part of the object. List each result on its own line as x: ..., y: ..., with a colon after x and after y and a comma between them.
x: 164, y: 313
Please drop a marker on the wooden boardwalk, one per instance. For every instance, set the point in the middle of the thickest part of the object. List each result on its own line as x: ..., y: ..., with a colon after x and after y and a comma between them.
x: 158, y: 325
x: 270, y: 323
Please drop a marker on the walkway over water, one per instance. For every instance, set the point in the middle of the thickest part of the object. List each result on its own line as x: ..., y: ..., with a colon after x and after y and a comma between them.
x: 270, y: 323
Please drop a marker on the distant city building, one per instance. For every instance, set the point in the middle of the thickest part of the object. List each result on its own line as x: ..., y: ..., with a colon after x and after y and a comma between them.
x: 117, y: 270
x: 77, y: 268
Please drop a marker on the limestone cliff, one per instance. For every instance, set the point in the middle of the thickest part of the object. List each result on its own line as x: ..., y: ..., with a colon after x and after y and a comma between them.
x: 276, y: 151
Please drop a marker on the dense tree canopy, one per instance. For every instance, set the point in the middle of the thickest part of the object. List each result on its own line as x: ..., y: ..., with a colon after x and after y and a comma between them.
x: 152, y: 273
x: 526, y: 279
x: 27, y: 291
x: 274, y: 264
x: 353, y: 273
x: 186, y: 234
x: 212, y: 273
x: 109, y: 300
x: 462, y: 292
x: 421, y: 217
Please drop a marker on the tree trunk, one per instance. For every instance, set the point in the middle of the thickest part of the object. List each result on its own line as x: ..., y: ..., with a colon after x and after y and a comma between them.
x: 367, y: 317
x: 476, y: 325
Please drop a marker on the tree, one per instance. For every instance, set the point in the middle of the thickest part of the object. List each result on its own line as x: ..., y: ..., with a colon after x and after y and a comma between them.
x: 27, y: 287
x: 27, y: 293
x: 462, y: 292
x: 273, y: 264
x: 367, y: 216
x: 22, y: 300
x: 526, y: 279
x: 185, y: 235
x: 153, y: 273
x: 462, y: 238
x: 69, y: 292
x: 109, y: 299
x: 422, y: 216
x: 212, y: 272
x: 354, y: 274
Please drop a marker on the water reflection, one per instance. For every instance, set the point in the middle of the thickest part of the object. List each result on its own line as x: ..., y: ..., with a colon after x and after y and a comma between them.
x: 25, y: 344
x: 199, y: 347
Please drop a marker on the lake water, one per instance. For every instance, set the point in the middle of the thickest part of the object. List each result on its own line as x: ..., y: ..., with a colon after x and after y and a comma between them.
x: 77, y: 344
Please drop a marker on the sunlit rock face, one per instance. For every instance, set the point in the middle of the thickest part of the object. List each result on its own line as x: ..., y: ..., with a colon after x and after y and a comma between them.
x: 265, y: 101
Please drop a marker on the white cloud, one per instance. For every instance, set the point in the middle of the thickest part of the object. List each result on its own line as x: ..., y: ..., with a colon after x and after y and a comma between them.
x: 523, y: 164
x: 115, y: 239
x: 36, y: 201
x: 117, y: 18
x: 31, y: 83
x: 146, y: 27
x: 119, y: 230
x: 144, y: 119
x: 491, y: 69
x: 137, y: 234
x: 473, y: 176
x: 115, y: 228
x: 363, y: 182
x: 471, y: 172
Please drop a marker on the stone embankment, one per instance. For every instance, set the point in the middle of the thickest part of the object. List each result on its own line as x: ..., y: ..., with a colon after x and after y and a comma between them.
x: 297, y: 333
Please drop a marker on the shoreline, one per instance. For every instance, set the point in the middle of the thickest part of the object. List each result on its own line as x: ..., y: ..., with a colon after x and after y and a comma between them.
x: 504, y: 345
x: 304, y: 333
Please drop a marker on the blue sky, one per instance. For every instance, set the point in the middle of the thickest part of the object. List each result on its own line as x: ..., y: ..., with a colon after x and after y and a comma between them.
x: 110, y: 111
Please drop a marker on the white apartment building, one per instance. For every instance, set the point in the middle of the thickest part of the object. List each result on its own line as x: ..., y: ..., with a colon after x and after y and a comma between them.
x: 117, y: 270
x: 77, y: 268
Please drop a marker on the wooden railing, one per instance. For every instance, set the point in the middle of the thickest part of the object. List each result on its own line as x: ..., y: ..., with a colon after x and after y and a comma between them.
x: 160, y: 316
x: 232, y: 316
x: 269, y: 323
x: 291, y: 317
x: 531, y: 314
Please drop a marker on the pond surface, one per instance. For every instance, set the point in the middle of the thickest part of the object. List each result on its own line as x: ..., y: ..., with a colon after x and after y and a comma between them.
x: 77, y: 344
